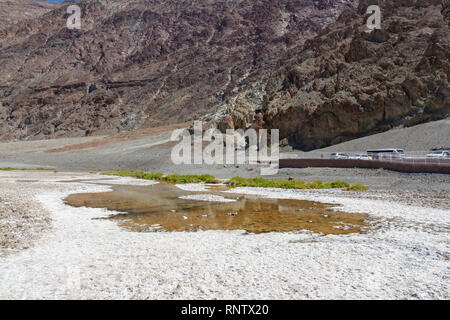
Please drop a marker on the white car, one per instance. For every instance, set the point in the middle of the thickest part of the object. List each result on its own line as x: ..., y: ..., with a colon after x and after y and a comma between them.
x: 439, y: 154
x: 363, y: 157
x: 339, y: 155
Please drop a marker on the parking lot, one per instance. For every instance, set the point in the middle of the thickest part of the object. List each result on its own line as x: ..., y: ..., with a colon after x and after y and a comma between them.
x: 418, y: 161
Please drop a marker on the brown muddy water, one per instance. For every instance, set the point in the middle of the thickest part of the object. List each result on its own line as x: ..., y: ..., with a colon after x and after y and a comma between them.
x: 159, y: 208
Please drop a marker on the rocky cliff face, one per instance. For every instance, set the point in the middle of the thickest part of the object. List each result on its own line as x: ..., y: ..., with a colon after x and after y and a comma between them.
x: 347, y: 82
x: 141, y: 63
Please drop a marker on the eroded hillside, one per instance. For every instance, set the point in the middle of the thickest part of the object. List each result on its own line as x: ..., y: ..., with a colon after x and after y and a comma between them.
x: 347, y: 82
x: 140, y: 63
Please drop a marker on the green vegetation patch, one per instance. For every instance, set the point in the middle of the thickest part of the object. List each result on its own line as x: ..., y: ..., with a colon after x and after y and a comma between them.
x: 292, y: 184
x: 237, y: 181
x: 190, y: 178
x: 23, y: 169
x: 172, y: 179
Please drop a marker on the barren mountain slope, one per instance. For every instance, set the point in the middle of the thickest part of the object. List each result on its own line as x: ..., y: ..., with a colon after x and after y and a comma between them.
x: 348, y: 83
x: 15, y: 11
x: 143, y: 63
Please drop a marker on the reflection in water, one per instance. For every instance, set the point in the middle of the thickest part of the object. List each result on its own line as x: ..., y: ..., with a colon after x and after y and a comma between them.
x: 159, y: 208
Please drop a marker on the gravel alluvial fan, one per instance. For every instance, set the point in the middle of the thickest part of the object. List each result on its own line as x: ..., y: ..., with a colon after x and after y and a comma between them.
x: 136, y: 63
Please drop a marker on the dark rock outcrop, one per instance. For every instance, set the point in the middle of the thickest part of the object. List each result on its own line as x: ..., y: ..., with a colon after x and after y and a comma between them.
x: 348, y: 82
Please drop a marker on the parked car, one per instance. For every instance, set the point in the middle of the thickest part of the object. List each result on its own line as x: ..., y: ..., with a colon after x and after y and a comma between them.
x: 339, y: 155
x: 386, y: 153
x: 356, y: 157
x: 363, y: 157
x: 439, y: 154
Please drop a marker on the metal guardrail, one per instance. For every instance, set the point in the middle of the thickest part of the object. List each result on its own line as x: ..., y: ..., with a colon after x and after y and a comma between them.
x: 416, y: 165
x: 327, y: 155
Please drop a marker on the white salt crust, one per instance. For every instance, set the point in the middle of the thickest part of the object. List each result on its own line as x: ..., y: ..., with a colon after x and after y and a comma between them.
x: 207, y: 198
x: 405, y: 257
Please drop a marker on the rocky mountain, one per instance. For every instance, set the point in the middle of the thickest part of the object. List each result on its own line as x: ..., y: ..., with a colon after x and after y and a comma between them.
x: 348, y: 82
x: 141, y: 63
x: 15, y: 11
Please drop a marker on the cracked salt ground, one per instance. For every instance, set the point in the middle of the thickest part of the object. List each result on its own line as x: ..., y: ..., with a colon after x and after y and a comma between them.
x: 392, y: 261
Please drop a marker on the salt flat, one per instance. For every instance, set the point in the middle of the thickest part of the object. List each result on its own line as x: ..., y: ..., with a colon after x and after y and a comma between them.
x: 405, y: 255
